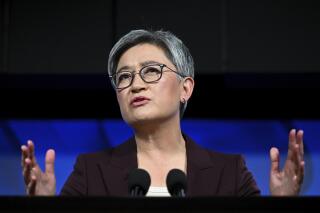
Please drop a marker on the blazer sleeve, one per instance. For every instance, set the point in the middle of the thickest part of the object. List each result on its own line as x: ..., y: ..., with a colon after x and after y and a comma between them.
x: 76, y: 184
x: 246, y: 184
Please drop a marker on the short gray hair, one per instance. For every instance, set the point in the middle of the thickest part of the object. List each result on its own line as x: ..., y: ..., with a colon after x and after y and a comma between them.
x: 172, y: 46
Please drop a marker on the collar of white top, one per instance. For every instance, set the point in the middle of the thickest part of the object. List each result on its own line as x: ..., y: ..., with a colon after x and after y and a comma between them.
x: 158, y: 191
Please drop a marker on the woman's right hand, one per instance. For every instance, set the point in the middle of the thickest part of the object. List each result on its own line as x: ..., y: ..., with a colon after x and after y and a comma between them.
x: 36, y: 181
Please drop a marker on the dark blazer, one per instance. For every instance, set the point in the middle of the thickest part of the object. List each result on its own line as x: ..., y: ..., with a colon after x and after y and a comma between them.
x: 209, y: 173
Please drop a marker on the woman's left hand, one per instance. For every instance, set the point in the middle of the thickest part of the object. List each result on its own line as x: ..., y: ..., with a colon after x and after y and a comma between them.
x: 288, y: 181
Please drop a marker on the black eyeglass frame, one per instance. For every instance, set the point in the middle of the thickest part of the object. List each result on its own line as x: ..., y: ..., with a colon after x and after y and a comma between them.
x: 133, y: 74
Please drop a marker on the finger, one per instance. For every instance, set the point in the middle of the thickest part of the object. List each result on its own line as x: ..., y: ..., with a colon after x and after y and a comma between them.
x: 292, y: 145
x: 27, y: 171
x: 300, y: 142
x: 31, y: 187
x: 275, y: 160
x: 300, y: 155
x: 32, y: 154
x: 31, y: 151
x: 50, y: 158
x: 30, y: 170
x: 301, y: 175
x: 24, y: 154
x: 299, y: 152
x: 297, y: 160
x: 292, y: 138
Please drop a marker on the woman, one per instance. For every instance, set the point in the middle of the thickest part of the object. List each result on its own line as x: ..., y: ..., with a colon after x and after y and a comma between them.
x: 152, y: 73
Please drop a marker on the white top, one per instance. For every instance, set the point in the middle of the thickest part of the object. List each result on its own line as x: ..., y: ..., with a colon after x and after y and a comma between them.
x: 156, y: 191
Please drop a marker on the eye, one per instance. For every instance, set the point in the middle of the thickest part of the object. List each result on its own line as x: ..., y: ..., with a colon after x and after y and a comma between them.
x: 122, y: 76
x: 152, y: 71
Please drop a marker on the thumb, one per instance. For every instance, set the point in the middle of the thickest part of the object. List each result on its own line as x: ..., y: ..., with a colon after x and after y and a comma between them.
x: 275, y: 160
x: 50, y: 157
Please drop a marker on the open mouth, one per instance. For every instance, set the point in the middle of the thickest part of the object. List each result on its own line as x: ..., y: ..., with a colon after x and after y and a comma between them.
x: 139, y: 101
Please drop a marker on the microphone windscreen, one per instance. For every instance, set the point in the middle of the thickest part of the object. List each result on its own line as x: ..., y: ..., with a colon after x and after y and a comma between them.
x: 139, y: 178
x: 176, y: 181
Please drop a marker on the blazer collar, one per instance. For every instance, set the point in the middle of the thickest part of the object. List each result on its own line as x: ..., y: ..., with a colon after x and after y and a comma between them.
x: 115, y: 173
x: 203, y: 174
x: 197, y: 157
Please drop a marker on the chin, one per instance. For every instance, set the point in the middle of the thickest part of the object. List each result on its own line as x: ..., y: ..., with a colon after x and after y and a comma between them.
x: 144, y: 116
x: 138, y: 120
x: 140, y: 114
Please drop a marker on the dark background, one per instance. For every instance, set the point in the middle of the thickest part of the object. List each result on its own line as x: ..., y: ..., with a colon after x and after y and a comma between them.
x: 55, y: 52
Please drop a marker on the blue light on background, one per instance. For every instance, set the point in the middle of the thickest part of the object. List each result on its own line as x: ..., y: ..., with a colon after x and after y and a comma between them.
x: 251, y: 138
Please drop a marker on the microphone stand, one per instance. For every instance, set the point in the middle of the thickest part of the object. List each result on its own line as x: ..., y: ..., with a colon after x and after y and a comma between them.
x: 137, y: 192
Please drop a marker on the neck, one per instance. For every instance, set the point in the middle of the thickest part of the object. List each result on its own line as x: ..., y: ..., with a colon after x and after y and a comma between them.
x: 164, y: 137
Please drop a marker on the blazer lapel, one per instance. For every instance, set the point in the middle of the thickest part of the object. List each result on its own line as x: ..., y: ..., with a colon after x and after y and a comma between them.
x: 203, y: 175
x: 115, y: 173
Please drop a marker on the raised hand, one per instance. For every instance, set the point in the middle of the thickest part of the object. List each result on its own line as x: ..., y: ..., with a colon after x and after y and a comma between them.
x: 288, y: 181
x: 36, y: 181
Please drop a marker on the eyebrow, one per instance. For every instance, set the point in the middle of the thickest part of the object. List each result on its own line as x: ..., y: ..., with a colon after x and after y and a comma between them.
x: 146, y: 63
x: 142, y: 64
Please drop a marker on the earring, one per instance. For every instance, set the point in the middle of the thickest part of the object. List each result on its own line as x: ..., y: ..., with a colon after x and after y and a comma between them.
x: 183, y: 100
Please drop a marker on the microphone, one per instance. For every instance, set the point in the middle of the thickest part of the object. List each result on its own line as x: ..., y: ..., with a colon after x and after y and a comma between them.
x: 138, y: 182
x: 177, y: 183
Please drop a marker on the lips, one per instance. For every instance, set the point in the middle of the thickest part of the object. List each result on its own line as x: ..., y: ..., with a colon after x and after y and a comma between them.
x: 139, y: 101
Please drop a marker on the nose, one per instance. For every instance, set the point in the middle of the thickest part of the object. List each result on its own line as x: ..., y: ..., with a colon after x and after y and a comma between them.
x: 137, y: 84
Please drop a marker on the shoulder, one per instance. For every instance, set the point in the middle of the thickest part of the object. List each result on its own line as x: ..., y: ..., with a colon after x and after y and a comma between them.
x: 229, y: 170
x: 226, y: 157
x: 107, y: 154
x: 98, y: 156
x: 228, y: 161
x: 197, y: 151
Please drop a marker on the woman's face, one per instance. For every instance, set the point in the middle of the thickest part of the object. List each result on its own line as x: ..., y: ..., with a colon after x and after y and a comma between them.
x: 144, y: 102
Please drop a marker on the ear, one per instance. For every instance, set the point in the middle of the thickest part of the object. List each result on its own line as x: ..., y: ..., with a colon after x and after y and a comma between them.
x: 187, y: 88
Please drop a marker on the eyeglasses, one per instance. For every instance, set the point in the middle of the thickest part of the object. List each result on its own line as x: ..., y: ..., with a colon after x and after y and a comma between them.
x: 149, y: 74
